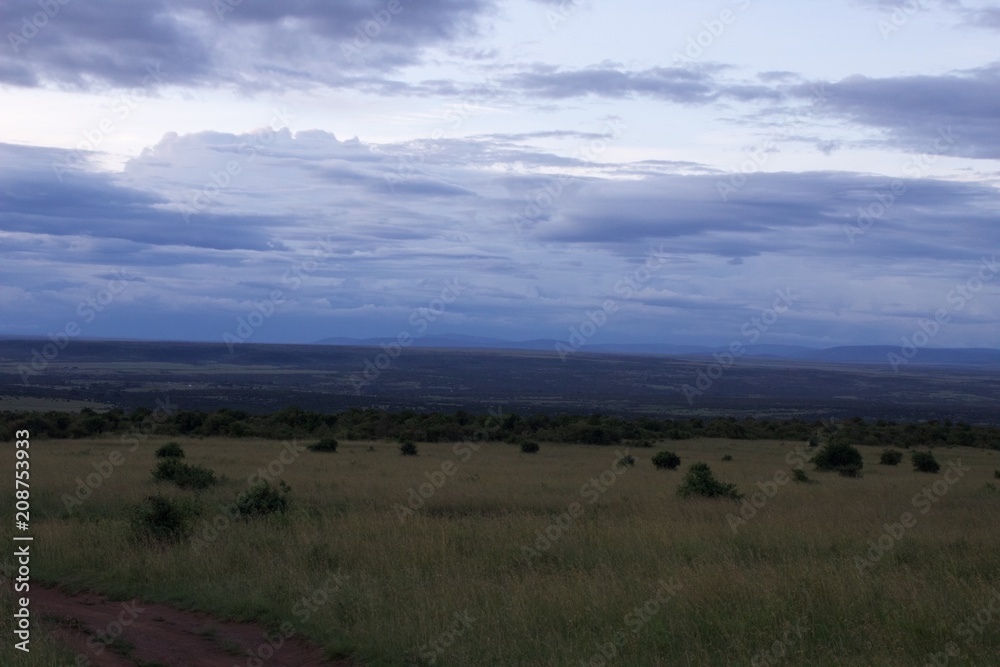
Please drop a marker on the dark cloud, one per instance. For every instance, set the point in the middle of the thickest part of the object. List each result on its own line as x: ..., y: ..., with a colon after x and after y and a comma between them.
x: 253, y: 44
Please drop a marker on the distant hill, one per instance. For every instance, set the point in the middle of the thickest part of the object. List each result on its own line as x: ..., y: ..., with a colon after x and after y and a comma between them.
x: 848, y: 354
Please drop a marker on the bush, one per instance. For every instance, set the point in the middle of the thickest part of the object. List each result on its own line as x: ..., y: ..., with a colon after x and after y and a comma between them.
x: 890, y: 457
x: 666, y: 460
x: 924, y: 462
x: 408, y: 449
x: 627, y: 460
x: 799, y: 475
x: 262, y: 499
x: 184, y: 475
x: 996, y: 473
x: 324, y: 445
x: 161, y: 519
x: 842, y: 457
x: 171, y: 450
x: 727, y: 457
x: 700, y: 481
x: 529, y: 447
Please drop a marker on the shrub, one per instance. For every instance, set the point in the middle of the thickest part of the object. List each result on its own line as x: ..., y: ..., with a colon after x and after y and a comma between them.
x: 184, y: 475
x: 996, y: 473
x: 839, y: 456
x: 159, y: 518
x: 799, y: 475
x: 408, y: 449
x: 261, y: 499
x: 324, y: 445
x: 890, y: 457
x: 924, y: 462
x: 171, y: 450
x: 627, y: 460
x: 529, y: 447
x: 727, y: 457
x: 700, y: 481
x: 666, y: 460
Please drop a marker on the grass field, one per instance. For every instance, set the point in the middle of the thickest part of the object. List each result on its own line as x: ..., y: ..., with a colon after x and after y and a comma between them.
x: 555, y: 558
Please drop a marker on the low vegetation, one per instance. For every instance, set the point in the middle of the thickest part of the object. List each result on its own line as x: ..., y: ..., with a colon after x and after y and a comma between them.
x: 890, y: 457
x: 666, y: 460
x: 840, y: 457
x: 529, y: 447
x: 324, y: 445
x: 184, y: 475
x: 924, y: 462
x: 699, y: 481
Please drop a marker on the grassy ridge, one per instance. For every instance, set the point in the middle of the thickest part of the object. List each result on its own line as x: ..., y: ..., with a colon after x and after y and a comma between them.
x: 466, y: 578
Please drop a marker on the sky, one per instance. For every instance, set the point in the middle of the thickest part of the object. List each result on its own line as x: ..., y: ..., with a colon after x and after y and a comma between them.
x: 817, y: 174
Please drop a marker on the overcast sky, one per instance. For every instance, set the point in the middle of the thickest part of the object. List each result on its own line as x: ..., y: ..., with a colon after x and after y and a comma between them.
x: 170, y: 167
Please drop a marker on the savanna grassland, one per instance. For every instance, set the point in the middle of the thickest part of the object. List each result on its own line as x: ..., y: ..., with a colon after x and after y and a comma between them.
x: 562, y: 557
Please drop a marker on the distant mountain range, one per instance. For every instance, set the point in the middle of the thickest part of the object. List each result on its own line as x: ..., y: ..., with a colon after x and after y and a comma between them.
x: 849, y: 354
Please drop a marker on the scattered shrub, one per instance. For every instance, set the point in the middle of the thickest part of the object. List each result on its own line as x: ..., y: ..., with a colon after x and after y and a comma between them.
x: 666, y: 460
x: 924, y: 462
x: 529, y: 447
x: 799, y: 475
x: 839, y: 456
x: 324, y: 445
x: 261, y: 499
x: 162, y: 519
x: 184, y: 475
x: 727, y: 457
x: 627, y: 460
x: 408, y: 449
x: 890, y: 457
x: 996, y: 473
x: 171, y: 450
x: 699, y: 481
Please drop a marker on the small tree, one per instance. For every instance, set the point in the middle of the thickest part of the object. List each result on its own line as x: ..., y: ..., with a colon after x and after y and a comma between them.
x: 842, y: 457
x: 890, y: 457
x: 924, y: 462
x: 324, y: 445
x: 171, y: 450
x: 162, y: 519
x: 699, y: 481
x: 666, y: 460
x: 262, y: 499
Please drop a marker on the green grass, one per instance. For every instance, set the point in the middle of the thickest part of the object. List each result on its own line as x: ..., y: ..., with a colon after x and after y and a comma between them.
x: 461, y: 553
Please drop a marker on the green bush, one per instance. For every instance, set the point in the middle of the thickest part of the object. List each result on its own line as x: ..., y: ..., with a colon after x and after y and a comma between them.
x: 924, y: 462
x: 727, y: 457
x: 996, y: 473
x: 184, y: 475
x: 529, y: 447
x: 324, y: 445
x: 799, y: 475
x: 161, y: 519
x: 408, y: 449
x: 666, y: 460
x: 627, y: 460
x: 699, y: 481
x: 839, y: 456
x: 262, y: 499
x: 171, y: 450
x: 890, y: 457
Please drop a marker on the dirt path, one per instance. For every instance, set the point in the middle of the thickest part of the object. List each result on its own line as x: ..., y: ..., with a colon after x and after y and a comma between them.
x: 130, y: 633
